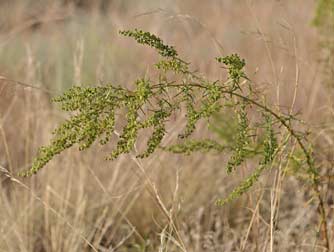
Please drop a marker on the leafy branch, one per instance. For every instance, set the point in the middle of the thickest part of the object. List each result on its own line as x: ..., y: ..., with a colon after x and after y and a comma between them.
x: 94, y: 112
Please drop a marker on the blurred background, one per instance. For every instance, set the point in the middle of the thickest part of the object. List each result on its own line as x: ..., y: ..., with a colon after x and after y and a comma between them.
x: 80, y: 202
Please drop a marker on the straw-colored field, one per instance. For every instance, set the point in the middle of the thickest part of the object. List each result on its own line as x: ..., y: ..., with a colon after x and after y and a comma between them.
x: 80, y: 202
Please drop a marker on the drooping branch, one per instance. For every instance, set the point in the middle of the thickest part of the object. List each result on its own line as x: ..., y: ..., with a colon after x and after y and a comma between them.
x: 94, y: 113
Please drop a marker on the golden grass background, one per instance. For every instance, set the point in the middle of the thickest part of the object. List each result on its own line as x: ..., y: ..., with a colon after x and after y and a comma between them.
x: 80, y: 202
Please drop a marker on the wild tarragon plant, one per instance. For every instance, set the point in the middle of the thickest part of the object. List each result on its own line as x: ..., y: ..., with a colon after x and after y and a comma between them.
x: 94, y: 111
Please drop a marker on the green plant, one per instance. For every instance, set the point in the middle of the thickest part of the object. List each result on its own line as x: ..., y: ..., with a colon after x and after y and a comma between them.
x: 324, y: 21
x: 324, y: 14
x: 95, y: 110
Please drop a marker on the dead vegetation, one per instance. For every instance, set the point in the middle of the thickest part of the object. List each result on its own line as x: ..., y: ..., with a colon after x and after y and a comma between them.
x: 165, y: 203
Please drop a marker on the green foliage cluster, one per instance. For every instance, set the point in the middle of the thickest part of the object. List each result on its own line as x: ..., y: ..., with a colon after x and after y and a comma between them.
x: 324, y: 14
x: 94, y: 112
x: 190, y: 146
x: 242, y: 140
x: 147, y: 38
x: 235, y: 67
x: 324, y: 21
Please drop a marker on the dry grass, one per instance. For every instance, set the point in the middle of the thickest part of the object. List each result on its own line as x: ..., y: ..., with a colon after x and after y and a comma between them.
x: 165, y: 203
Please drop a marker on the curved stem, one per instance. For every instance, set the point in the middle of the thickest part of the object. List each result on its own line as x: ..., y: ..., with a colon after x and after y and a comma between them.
x: 293, y: 133
x: 309, y: 159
